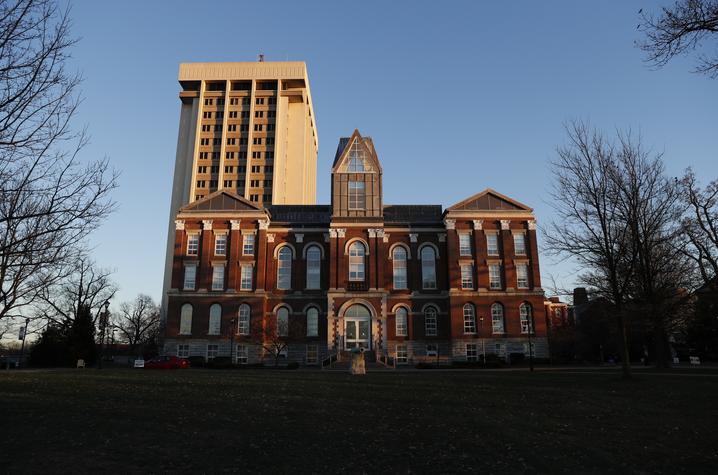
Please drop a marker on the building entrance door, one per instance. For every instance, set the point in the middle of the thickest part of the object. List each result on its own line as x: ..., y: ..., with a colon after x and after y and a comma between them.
x: 357, y: 328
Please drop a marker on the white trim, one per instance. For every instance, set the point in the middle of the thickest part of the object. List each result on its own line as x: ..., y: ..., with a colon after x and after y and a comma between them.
x: 430, y: 244
x: 285, y: 244
x: 310, y: 244
x: 399, y: 244
x: 352, y: 241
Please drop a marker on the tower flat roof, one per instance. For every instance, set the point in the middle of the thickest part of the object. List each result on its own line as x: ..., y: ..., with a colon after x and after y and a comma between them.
x: 243, y: 70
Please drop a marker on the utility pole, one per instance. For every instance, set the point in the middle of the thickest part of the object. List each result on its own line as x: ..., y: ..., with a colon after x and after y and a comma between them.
x: 103, y: 326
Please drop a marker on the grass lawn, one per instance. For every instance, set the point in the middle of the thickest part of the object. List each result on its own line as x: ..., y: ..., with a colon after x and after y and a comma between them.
x: 298, y: 421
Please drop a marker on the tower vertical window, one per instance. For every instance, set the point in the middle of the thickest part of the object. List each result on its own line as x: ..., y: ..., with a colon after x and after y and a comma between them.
x: 243, y: 320
x: 497, y: 318
x: 495, y: 276
x: 283, y: 322
x: 248, y: 245
x: 356, y: 261
x: 356, y: 195
x: 430, y: 321
x: 401, y: 322
x: 522, y: 276
x: 220, y: 245
x: 492, y: 244
x: 284, y: 268
x: 218, y: 277
x: 192, y: 244
x: 314, y: 262
x: 190, y: 277
x: 464, y: 244
x: 519, y: 244
x: 428, y: 268
x: 312, y: 322
x: 467, y: 278
x: 186, y: 319
x: 469, y: 319
x: 399, y: 267
x: 246, y: 278
x: 215, y: 319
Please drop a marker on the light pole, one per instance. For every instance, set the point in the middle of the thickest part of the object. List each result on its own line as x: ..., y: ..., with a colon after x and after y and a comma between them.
x: 103, y: 326
x: 483, y: 342
x: 23, y: 337
x: 231, y: 340
x: 531, y: 353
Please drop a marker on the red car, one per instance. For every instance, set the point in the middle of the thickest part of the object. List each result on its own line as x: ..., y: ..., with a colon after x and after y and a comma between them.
x: 167, y: 362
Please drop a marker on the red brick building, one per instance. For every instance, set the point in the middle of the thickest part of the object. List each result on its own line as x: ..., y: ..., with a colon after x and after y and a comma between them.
x: 405, y: 281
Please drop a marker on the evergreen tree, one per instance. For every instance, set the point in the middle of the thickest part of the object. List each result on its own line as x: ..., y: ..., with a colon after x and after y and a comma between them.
x: 81, y: 339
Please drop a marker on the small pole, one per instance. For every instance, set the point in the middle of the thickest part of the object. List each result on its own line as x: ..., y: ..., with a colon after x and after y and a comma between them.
x: 22, y: 347
x: 231, y: 340
x: 531, y: 353
x: 483, y: 342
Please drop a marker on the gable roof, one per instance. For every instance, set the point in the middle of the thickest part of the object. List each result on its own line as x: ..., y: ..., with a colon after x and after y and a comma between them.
x: 345, y: 144
x: 489, y: 200
x: 221, y: 200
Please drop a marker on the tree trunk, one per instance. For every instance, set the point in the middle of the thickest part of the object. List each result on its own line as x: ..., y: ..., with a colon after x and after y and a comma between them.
x: 625, y: 356
x: 661, y: 346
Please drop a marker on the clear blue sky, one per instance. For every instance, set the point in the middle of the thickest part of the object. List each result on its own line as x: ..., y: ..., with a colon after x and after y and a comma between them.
x: 458, y: 96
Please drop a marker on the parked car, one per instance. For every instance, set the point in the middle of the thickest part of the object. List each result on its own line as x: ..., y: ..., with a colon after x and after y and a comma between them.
x: 167, y: 362
x: 139, y: 363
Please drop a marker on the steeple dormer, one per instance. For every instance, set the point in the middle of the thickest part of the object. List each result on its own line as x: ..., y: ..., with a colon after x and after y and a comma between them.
x: 356, y: 179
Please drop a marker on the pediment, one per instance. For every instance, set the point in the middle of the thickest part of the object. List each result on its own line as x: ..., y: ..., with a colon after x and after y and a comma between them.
x: 222, y: 200
x: 489, y: 200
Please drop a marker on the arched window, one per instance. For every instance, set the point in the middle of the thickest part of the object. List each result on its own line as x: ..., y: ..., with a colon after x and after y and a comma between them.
x: 497, y: 318
x: 186, y: 319
x: 428, y: 268
x: 401, y: 319
x: 284, y: 268
x: 399, y: 262
x: 312, y: 321
x: 215, y: 319
x: 430, y: 321
x: 283, y: 321
x: 243, y: 319
x: 314, y: 263
x: 526, y: 320
x: 356, y: 261
x: 469, y: 319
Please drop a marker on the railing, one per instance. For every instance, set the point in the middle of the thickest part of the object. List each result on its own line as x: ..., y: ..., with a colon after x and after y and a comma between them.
x: 357, y: 287
x: 386, y: 361
x: 329, y: 361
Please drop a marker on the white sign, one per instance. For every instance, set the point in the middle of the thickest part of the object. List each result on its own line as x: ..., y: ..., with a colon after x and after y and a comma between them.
x: 139, y: 363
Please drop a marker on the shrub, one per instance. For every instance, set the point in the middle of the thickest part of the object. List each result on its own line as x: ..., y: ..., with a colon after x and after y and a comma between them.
x: 292, y: 365
x: 196, y: 361
x: 220, y: 362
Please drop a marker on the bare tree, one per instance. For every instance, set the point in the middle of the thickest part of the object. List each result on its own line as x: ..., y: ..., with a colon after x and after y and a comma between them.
x: 275, y: 334
x: 138, y: 321
x: 49, y: 201
x: 650, y: 203
x: 82, y: 284
x: 680, y: 29
x: 700, y: 225
x: 589, y: 227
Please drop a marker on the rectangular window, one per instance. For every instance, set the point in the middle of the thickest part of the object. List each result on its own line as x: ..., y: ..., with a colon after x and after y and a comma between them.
x: 464, y: 244
x: 208, y: 102
x: 312, y: 354
x: 246, y: 280
x: 212, y: 351
x: 228, y: 183
x: 519, y: 244
x: 495, y: 276
x: 242, y: 356
x: 401, y: 324
x: 492, y: 244
x: 248, y: 245
x: 467, y: 277
x: 182, y: 351
x: 258, y: 127
x: 232, y: 114
x: 269, y: 154
x: 259, y: 114
x: 217, y: 277
x: 204, y: 141
x: 356, y: 195
x: 220, y: 245
x: 522, y: 276
x: 432, y: 349
x: 203, y: 155
x: 402, y: 354
x: 245, y: 101
x: 270, y: 140
x: 400, y: 281
x: 201, y: 169
x: 259, y: 101
x: 231, y: 141
x: 229, y: 155
x: 472, y: 352
x: 192, y: 244
x: 256, y: 168
x: 216, y: 141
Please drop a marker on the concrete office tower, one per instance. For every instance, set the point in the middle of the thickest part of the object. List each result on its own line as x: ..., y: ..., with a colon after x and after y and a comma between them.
x: 248, y: 128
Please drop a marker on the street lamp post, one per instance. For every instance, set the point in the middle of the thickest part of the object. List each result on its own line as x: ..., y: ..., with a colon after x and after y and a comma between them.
x: 531, y: 352
x: 231, y: 340
x: 103, y: 328
x: 483, y: 342
x: 23, y: 334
